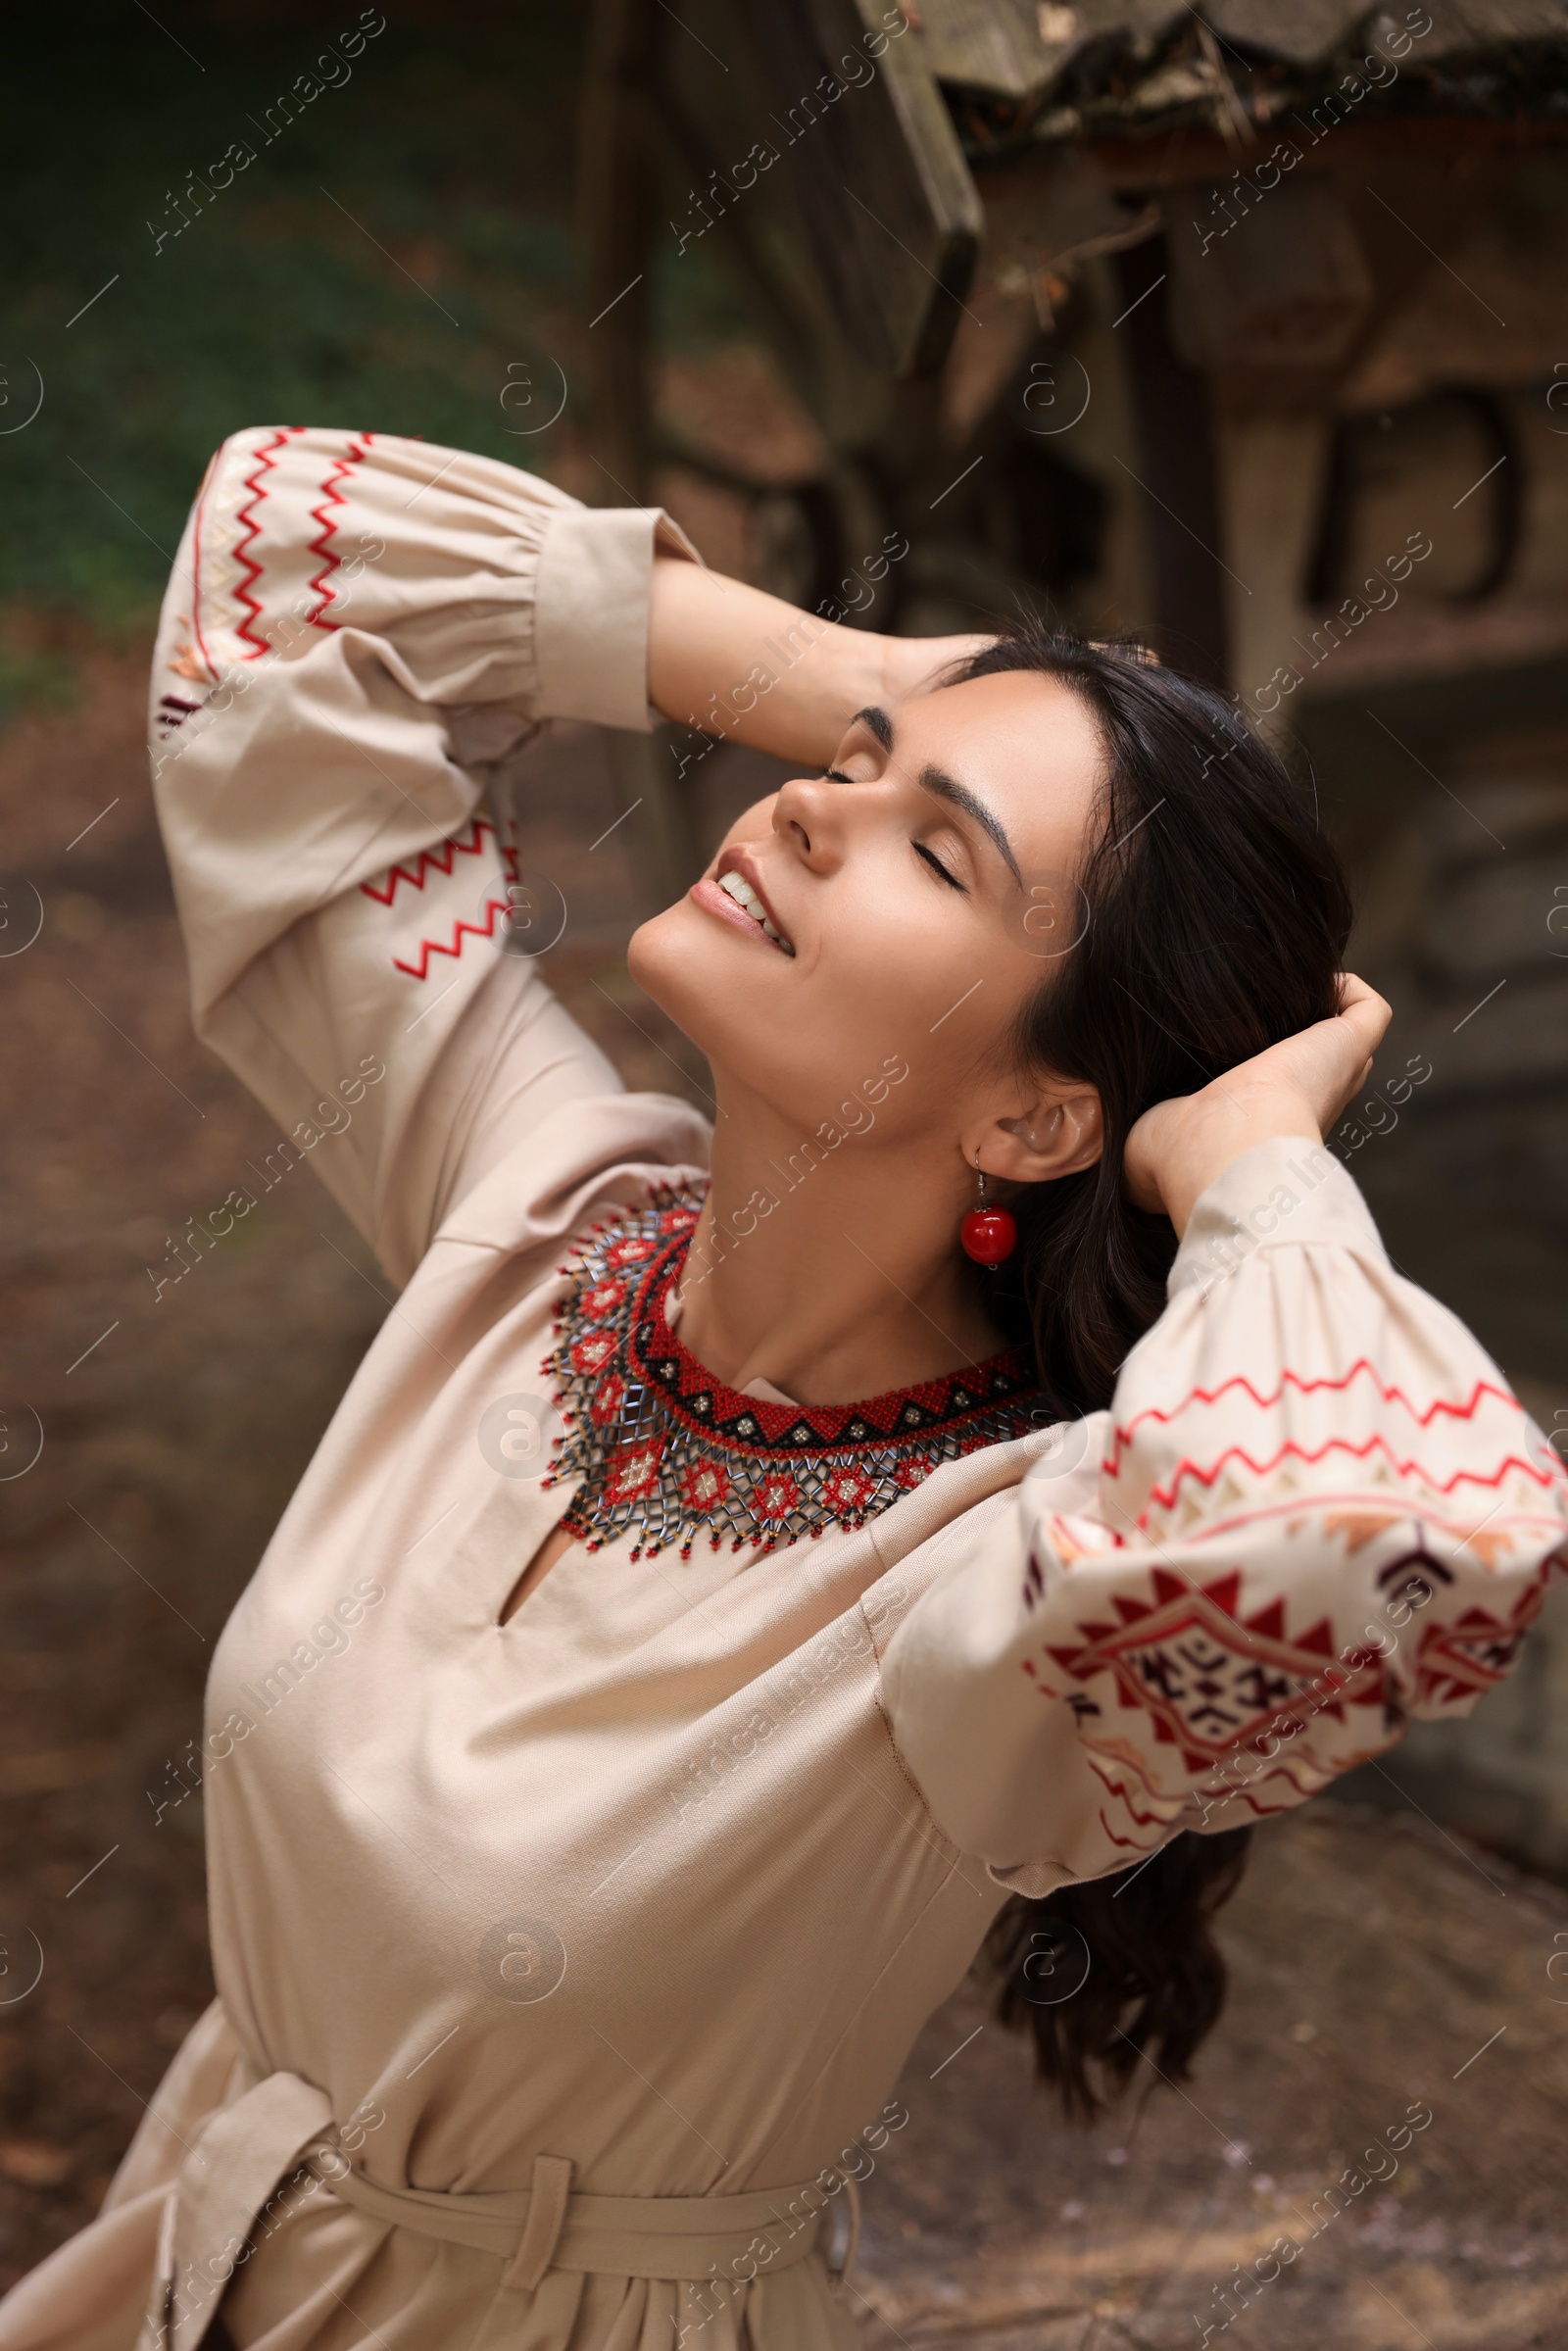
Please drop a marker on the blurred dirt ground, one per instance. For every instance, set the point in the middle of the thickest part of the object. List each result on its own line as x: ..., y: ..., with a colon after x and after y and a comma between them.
x: 1371, y: 1960
x: 1373, y: 1956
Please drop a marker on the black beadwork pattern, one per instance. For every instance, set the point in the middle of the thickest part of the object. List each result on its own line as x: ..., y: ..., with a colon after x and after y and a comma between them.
x: 663, y: 1447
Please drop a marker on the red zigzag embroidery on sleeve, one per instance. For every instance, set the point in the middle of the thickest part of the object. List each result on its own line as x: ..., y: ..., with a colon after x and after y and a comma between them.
x: 1122, y: 1436
x: 243, y: 555
x: 332, y: 496
x: 1164, y: 1496
x: 466, y: 844
x: 460, y: 931
x: 469, y: 843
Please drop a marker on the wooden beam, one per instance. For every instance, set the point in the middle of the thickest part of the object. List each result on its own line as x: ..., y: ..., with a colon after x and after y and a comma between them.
x: 1176, y: 474
x: 616, y: 191
x: 1176, y: 158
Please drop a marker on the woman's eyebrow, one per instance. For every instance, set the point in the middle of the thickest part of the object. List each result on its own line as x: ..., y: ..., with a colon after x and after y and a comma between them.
x: 943, y: 786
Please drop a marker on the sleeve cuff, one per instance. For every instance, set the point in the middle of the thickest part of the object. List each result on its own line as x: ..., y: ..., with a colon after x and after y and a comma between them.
x: 1288, y: 1192
x: 591, y: 618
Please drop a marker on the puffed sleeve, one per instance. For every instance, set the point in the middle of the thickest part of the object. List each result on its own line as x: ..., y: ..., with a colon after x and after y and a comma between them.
x: 1314, y: 1514
x: 358, y: 630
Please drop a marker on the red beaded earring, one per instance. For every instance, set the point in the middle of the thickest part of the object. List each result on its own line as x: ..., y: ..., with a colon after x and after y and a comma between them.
x: 988, y: 1235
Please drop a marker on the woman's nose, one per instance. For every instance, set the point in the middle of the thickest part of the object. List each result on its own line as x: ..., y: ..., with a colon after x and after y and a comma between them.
x: 810, y: 815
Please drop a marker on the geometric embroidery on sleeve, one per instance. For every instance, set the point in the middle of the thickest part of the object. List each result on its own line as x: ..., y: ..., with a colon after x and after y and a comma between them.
x: 1209, y: 1678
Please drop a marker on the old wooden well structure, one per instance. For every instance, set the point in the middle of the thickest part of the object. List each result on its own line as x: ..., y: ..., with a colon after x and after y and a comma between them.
x: 1243, y: 329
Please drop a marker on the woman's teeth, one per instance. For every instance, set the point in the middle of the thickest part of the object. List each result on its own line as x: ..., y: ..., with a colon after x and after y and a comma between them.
x: 736, y: 886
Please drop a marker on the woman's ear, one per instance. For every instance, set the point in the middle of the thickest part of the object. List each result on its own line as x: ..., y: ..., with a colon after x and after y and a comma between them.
x: 1056, y: 1137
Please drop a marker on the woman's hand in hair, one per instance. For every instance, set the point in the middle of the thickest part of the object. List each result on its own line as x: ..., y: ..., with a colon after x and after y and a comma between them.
x: 914, y: 665
x: 1298, y: 1087
x: 749, y: 668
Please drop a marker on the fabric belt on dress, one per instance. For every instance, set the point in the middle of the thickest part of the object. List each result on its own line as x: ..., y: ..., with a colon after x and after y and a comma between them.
x: 284, y: 2126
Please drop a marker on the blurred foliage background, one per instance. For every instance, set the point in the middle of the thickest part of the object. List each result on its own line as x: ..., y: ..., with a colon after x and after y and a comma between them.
x: 394, y: 259
x: 389, y: 254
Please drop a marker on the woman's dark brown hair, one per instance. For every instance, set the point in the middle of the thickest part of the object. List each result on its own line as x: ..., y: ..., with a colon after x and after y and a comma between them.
x: 1208, y: 920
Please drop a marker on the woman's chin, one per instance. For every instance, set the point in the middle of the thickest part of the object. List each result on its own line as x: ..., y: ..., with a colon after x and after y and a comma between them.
x: 652, y: 952
x: 709, y: 979
x: 675, y: 961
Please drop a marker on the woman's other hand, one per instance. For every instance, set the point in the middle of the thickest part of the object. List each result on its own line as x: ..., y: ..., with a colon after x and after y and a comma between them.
x: 1298, y: 1087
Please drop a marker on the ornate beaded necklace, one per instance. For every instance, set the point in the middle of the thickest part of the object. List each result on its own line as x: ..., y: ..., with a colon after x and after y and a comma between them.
x: 663, y: 1447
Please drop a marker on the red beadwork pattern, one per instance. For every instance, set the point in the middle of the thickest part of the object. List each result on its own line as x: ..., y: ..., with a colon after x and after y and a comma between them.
x: 668, y: 1451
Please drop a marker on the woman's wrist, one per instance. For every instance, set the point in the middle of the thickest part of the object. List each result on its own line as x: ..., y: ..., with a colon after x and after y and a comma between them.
x: 1192, y: 1142
x: 748, y: 667
x: 914, y: 665
x: 1297, y: 1088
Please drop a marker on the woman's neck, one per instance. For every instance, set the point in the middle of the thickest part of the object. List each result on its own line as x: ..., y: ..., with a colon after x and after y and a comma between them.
x: 829, y: 1268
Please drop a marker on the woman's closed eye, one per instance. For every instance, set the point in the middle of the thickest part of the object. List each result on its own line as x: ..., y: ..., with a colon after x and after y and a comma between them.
x: 936, y: 866
x: 836, y: 775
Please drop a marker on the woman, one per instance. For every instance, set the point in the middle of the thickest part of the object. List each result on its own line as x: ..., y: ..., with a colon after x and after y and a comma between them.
x: 591, y: 1830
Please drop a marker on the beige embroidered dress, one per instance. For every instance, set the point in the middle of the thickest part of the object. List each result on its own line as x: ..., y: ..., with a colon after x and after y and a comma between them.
x: 565, y: 1966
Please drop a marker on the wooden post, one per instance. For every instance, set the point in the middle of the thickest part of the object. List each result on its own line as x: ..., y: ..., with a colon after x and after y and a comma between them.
x: 1176, y: 472
x: 619, y: 186
x: 617, y: 179
x: 1271, y: 475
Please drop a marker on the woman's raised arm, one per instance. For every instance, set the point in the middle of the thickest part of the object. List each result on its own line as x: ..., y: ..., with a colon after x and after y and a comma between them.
x: 357, y: 630
x: 742, y: 664
x: 1314, y: 1514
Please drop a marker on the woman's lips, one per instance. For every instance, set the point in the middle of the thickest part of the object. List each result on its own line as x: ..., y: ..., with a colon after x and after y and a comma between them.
x: 707, y: 895
x: 737, y: 861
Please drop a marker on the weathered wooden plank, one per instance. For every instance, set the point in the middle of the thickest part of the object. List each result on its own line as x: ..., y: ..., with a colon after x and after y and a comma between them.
x: 824, y: 158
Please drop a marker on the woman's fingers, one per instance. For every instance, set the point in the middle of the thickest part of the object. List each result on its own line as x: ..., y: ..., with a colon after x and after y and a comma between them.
x: 1362, y: 1023
x: 1300, y: 1085
x: 1364, y: 1011
x: 1352, y: 1038
x: 1330, y: 1060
